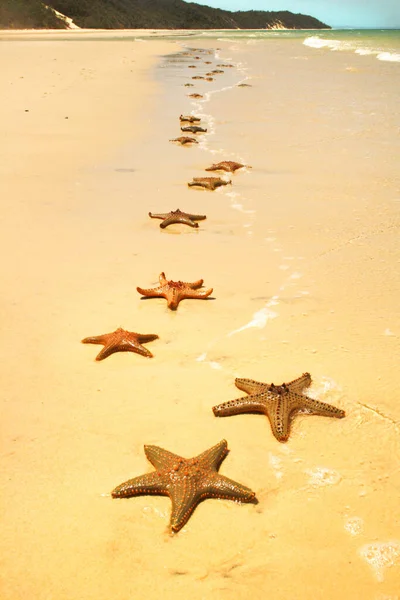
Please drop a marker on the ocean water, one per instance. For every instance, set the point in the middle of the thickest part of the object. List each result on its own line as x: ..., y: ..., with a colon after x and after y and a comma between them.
x: 382, y: 43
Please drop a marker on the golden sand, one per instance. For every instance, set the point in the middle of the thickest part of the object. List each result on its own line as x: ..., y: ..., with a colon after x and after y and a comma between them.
x: 303, y: 254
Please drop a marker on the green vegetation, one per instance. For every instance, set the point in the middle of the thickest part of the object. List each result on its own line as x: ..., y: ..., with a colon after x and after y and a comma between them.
x: 144, y: 14
x: 28, y: 14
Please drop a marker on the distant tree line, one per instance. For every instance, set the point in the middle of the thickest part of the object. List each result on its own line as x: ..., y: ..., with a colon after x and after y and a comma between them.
x: 144, y: 14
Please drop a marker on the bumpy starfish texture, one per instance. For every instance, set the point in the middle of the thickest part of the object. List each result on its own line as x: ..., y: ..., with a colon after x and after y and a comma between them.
x: 187, y: 481
x: 189, y: 119
x: 183, y: 139
x: 175, y: 291
x: 279, y: 402
x: 194, y: 129
x: 226, y: 165
x: 210, y: 183
x: 177, y: 216
x: 121, y: 340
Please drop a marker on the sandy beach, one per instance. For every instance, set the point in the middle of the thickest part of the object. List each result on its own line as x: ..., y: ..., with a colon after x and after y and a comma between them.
x: 302, y: 253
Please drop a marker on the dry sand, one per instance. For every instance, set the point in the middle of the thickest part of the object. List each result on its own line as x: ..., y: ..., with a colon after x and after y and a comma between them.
x: 304, y: 247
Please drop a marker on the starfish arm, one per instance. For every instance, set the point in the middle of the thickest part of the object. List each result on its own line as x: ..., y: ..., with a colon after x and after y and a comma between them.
x: 213, y: 456
x: 110, y: 349
x: 213, y: 168
x: 195, y: 284
x: 151, y: 293
x: 158, y: 216
x: 201, y: 295
x: 177, y: 219
x: 160, y: 458
x: 173, y: 297
x: 184, y: 498
x: 219, y: 486
x: 249, y: 404
x: 250, y: 386
x: 96, y: 339
x: 150, y: 483
x: 162, y: 279
x: 147, y: 337
x: 198, y: 217
x: 130, y: 346
x: 323, y: 409
x: 299, y: 384
x: 279, y: 414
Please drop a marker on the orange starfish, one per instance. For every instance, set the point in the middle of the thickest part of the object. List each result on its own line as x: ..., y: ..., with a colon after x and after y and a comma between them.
x: 187, y: 481
x: 226, y: 165
x: 175, y: 291
x: 121, y: 340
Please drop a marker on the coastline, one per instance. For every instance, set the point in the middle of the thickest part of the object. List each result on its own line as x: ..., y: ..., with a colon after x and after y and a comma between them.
x: 299, y: 240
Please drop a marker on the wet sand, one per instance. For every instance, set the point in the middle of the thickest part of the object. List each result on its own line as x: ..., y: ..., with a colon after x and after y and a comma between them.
x: 303, y: 254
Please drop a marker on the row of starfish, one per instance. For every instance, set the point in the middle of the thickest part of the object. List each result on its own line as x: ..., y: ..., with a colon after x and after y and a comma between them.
x: 188, y: 481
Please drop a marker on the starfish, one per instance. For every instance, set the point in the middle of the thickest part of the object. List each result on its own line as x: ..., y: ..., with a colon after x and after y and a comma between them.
x: 177, y: 216
x: 187, y: 481
x: 207, y: 62
x: 121, y: 340
x: 244, y: 85
x: 185, y: 140
x: 196, y: 96
x: 209, y: 78
x: 279, y: 402
x: 192, y: 67
x: 175, y: 291
x: 225, y: 66
x: 194, y: 129
x: 189, y: 85
x: 197, y: 77
x: 189, y: 119
x: 217, y: 71
x: 226, y: 165
x: 210, y: 183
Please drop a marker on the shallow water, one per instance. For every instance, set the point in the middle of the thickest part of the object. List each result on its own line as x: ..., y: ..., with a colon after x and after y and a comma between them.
x: 302, y: 252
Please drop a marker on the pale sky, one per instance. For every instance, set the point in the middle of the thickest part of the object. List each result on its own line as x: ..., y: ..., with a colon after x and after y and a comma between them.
x: 336, y: 13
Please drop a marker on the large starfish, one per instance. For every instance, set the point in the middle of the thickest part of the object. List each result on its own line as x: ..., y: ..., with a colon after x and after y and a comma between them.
x: 187, y: 481
x: 279, y: 402
x: 210, y: 183
x: 121, y: 340
x: 175, y: 291
x: 177, y: 216
x: 226, y: 165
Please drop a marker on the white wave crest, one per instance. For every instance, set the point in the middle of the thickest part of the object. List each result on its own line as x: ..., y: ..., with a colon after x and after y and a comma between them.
x: 389, y: 56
